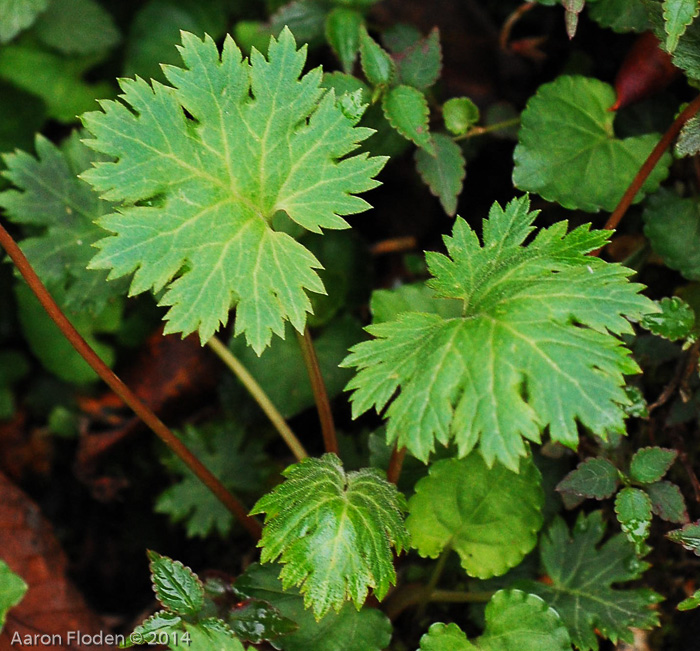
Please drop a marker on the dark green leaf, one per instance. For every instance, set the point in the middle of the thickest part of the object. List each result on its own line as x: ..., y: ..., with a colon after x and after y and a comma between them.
x: 377, y: 65
x: 582, y: 575
x: 633, y: 509
x: 444, y: 171
x: 667, y: 502
x: 333, y: 531
x: 348, y: 630
x: 305, y: 18
x: 343, y: 35
x: 13, y: 367
x: 16, y: 15
x: 678, y: 14
x: 594, y: 477
x: 619, y: 15
x: 400, y: 36
x: 420, y: 64
x: 406, y: 109
x: 164, y: 622
x: 650, y: 464
x: 672, y: 225
x: 177, y: 587
x: 460, y: 114
x: 206, y: 635
x: 256, y: 621
x: 490, y: 517
x: 567, y: 150
x: 675, y: 320
x: 76, y: 27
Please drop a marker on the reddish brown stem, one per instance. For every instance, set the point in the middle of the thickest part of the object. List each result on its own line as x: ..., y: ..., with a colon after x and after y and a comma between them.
x: 142, y: 411
x: 394, y: 245
x: 649, y: 164
x: 514, y: 17
x: 396, y: 464
x: 323, y: 405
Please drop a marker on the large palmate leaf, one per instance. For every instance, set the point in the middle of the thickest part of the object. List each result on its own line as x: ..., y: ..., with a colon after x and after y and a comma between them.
x: 348, y: 630
x: 514, y: 620
x: 582, y: 575
x: 333, y: 531
x: 532, y: 349
x: 490, y: 517
x: 60, y: 209
x: 203, y: 166
x: 567, y: 150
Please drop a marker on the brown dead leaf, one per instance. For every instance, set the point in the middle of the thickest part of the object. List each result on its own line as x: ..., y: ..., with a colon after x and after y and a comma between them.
x: 53, y: 613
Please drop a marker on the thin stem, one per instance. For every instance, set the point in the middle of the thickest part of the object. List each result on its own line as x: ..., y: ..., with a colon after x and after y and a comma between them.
x: 256, y: 391
x: 396, y: 464
x: 432, y: 583
x: 413, y: 594
x: 394, y: 245
x: 480, y: 131
x: 142, y: 411
x: 511, y: 21
x: 649, y: 164
x: 318, y: 386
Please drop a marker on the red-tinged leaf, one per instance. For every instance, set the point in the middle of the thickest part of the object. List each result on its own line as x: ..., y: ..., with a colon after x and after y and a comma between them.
x: 646, y: 70
x: 52, y: 605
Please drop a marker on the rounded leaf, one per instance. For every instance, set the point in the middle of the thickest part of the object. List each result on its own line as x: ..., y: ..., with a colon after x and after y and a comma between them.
x: 650, y: 464
x: 489, y: 516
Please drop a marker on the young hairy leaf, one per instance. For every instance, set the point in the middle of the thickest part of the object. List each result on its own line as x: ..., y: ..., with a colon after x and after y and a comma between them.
x: 490, y: 517
x: 177, y: 587
x: 675, y: 321
x: 406, y: 109
x: 678, y: 14
x: 595, y: 478
x: 672, y: 225
x: 347, y: 630
x: 582, y: 574
x: 650, y: 464
x: 333, y: 531
x: 633, y: 509
x: 199, y: 192
x: 460, y: 113
x: 514, y: 620
x: 444, y: 172
x: 12, y: 589
x: 378, y: 66
x: 545, y: 304
x: 567, y: 150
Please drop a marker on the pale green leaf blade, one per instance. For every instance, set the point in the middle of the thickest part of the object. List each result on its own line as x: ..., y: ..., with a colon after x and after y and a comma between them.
x: 567, y: 150
x: 672, y: 225
x: 633, y: 509
x: 691, y: 602
x: 348, y: 630
x: 517, y: 620
x: 177, y: 587
x: 667, y: 502
x: 406, y: 109
x: 444, y: 172
x: 449, y: 376
x: 205, y: 635
x: 678, y: 14
x: 460, y: 114
x: 688, y: 143
x: 445, y: 637
x: 490, y: 517
x: 582, y: 574
x: 207, y: 188
x: 676, y: 319
x: 18, y: 15
x: 333, y: 532
x: 594, y: 477
x: 12, y: 589
x: 163, y: 622
x: 650, y: 464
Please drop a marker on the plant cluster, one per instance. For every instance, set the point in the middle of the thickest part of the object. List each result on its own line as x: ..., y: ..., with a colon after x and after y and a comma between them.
x: 483, y: 393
